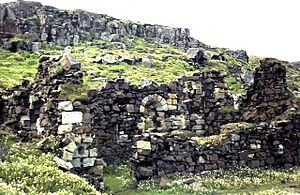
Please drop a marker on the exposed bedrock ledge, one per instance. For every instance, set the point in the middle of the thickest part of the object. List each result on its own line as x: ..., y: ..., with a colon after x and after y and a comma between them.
x: 48, y: 24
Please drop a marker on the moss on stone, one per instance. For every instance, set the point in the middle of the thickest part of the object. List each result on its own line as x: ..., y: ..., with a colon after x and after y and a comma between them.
x: 225, y: 132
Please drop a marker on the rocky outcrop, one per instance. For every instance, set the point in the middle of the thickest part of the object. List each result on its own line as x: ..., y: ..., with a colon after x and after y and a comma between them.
x: 38, y: 23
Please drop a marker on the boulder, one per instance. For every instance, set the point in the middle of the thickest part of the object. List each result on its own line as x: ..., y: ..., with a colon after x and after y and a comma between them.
x: 195, y: 55
x: 146, y: 62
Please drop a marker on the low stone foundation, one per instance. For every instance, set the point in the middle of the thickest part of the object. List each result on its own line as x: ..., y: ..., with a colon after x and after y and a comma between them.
x: 262, y: 146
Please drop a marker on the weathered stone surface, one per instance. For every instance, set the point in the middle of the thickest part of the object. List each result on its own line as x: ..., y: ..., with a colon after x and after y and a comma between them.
x: 67, y: 156
x: 63, y: 164
x: 143, y: 145
x: 65, y: 106
x: 146, y: 62
x: 63, y: 129
x: 71, y: 147
x: 76, y: 162
x: 72, y: 117
x: 196, y: 55
x: 88, y: 162
x: 93, y: 152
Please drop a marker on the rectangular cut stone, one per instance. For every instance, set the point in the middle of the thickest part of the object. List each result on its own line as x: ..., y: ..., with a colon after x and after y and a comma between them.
x: 80, y: 153
x: 200, y: 122
x: 162, y: 108
x: 171, y: 95
x: 63, y: 129
x: 65, y: 106
x: 72, y: 117
x: 143, y: 145
x: 76, y: 162
x: 197, y: 127
x: 172, y: 107
x: 88, y: 162
x: 67, y: 156
x: 87, y: 139
x: 93, y: 152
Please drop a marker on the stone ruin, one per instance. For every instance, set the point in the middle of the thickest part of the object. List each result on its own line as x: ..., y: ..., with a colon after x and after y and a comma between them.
x: 186, y: 127
x: 162, y: 129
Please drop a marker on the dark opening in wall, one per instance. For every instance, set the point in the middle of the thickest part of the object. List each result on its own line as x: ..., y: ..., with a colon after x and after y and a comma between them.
x: 81, y: 150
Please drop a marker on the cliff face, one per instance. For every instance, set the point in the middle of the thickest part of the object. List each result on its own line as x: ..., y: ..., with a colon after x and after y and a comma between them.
x: 40, y: 23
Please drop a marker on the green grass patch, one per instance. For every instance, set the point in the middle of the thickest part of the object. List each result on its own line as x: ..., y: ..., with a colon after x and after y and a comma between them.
x: 26, y: 170
x: 118, y: 178
x: 16, y: 66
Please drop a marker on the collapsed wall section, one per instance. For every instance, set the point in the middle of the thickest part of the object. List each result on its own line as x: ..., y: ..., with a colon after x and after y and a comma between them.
x: 121, y: 111
x: 273, y: 143
x: 261, y: 146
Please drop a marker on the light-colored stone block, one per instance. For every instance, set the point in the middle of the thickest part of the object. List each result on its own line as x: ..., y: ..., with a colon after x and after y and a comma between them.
x: 81, y: 152
x: 88, y: 162
x: 76, y: 162
x: 87, y: 139
x: 200, y: 122
x: 143, y: 145
x: 172, y: 95
x: 65, y: 106
x: 67, y: 156
x: 71, y: 147
x: 142, y: 109
x: 63, y: 129
x: 172, y: 107
x: 72, y: 117
x: 162, y: 108
x: 93, y: 152
x: 123, y: 138
x: 63, y: 164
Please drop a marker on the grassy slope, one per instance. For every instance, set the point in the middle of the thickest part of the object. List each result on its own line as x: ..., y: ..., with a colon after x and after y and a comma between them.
x: 16, y: 66
x: 27, y: 170
x: 168, y: 64
x: 238, y: 181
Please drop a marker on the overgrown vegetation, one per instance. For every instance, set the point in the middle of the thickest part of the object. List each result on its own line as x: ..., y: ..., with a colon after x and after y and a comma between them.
x: 16, y: 66
x: 27, y: 170
x: 225, y: 132
x: 118, y: 178
x: 168, y: 62
x: 235, y: 181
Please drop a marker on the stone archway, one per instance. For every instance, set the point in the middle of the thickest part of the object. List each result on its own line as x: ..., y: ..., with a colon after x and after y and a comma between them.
x: 153, y: 108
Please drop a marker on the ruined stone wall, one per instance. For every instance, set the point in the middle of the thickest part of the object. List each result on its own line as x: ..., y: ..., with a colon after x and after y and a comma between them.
x: 24, y: 104
x: 265, y: 145
x: 267, y: 97
x: 40, y: 23
x: 272, y: 143
x: 158, y: 121
x: 121, y: 111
